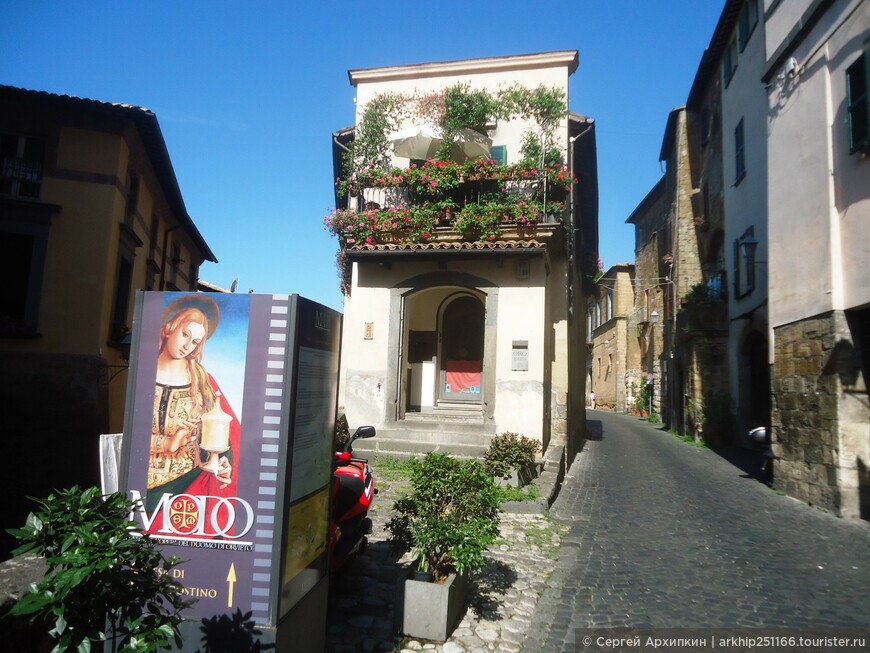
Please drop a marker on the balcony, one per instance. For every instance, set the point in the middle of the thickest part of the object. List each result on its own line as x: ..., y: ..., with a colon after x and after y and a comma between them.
x: 473, y: 203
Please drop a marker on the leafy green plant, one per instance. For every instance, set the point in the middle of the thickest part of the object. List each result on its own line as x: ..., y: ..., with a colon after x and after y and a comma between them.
x: 509, y: 451
x: 341, y: 434
x: 449, y: 518
x: 104, y: 583
x: 479, y: 221
x: 528, y: 492
x: 642, y: 400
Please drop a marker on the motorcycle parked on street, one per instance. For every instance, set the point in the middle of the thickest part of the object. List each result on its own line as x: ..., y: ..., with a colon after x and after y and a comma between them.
x: 353, y: 491
x: 761, y: 437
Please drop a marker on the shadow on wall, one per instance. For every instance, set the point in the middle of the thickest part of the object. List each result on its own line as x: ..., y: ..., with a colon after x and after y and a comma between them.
x: 863, y: 489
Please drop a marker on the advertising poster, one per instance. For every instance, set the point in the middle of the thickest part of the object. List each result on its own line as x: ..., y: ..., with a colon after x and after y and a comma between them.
x: 209, y: 440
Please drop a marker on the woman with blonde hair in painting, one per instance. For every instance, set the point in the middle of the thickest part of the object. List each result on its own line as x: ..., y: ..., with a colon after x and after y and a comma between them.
x: 184, y: 393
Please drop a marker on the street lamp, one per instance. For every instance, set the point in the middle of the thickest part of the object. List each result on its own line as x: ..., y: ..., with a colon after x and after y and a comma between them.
x: 654, y: 317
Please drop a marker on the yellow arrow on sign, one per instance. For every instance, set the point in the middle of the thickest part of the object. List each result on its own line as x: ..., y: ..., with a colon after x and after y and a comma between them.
x: 231, y: 579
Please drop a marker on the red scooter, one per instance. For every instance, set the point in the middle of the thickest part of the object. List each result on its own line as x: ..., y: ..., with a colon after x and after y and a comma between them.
x: 353, y: 488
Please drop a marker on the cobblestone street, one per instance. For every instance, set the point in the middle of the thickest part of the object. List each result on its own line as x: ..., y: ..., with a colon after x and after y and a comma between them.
x: 647, y: 531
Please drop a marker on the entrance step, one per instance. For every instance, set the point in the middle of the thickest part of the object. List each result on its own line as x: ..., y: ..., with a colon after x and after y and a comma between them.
x: 462, y: 436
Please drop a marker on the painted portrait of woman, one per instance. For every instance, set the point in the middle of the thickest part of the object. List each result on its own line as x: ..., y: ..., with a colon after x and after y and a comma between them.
x: 184, y: 392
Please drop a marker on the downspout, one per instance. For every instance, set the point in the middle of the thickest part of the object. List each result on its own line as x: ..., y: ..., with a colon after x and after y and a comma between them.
x: 399, y: 358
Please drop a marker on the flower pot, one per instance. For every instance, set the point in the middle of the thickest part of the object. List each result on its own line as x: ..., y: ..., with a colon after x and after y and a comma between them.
x: 519, y: 476
x: 429, y: 610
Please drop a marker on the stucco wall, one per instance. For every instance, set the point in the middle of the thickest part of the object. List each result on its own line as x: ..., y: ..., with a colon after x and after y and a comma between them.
x: 368, y: 382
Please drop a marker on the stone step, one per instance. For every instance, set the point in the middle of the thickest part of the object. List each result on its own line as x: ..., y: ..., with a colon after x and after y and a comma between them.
x: 418, y: 437
x: 415, y: 448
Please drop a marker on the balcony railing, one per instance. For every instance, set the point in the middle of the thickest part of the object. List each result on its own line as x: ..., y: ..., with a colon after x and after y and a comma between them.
x: 478, y: 200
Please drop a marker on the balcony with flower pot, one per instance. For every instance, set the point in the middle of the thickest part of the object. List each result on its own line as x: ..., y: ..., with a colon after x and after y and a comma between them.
x: 445, y: 202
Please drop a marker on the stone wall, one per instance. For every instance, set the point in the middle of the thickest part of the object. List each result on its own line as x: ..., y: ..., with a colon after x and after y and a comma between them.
x: 820, y: 414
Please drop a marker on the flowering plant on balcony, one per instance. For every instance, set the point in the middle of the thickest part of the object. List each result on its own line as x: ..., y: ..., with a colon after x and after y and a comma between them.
x: 435, y: 177
x: 394, y: 224
x: 480, y: 221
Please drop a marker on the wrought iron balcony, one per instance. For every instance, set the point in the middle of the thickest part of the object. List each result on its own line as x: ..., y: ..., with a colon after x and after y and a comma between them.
x: 476, y: 201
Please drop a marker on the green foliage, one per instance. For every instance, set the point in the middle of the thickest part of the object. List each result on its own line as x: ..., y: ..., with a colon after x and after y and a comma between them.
x: 104, y: 583
x: 479, y: 221
x: 526, y: 493
x: 701, y: 293
x: 509, y: 451
x: 641, y: 402
x: 449, y: 517
x: 371, y: 147
x: 341, y: 435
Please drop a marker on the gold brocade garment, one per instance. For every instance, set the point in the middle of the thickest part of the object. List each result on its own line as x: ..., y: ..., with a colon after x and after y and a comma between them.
x: 173, y: 405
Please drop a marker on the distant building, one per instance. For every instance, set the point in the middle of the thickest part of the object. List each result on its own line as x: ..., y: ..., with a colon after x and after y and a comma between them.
x: 90, y: 211
x: 465, y: 277
x: 615, y: 354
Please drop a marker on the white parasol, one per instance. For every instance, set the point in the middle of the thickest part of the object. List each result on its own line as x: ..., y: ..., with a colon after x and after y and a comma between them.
x: 423, y: 141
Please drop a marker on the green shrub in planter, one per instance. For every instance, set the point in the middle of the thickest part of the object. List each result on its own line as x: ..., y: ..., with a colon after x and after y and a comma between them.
x: 449, y: 518
x: 102, y: 583
x: 509, y: 451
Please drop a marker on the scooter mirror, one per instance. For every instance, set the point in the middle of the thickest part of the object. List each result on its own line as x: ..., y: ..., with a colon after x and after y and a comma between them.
x: 364, y: 432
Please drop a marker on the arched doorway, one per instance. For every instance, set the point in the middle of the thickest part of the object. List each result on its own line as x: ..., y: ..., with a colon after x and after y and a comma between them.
x: 758, y: 371
x: 460, y: 359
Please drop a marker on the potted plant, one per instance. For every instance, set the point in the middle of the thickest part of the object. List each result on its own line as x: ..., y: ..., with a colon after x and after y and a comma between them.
x: 510, y: 459
x: 446, y: 521
x: 105, y: 583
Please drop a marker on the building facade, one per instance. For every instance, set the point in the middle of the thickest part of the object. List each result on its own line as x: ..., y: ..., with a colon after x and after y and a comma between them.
x: 464, y: 288
x: 816, y: 77
x: 614, y: 352
x: 90, y: 211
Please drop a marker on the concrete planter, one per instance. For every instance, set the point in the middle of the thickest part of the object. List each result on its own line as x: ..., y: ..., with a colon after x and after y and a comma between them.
x: 520, y: 476
x: 429, y: 610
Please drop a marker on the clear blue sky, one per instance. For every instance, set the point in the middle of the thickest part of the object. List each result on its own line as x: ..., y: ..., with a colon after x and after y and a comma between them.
x: 248, y: 94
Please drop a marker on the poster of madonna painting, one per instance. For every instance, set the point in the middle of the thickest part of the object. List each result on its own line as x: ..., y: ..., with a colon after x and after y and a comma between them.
x: 226, y: 444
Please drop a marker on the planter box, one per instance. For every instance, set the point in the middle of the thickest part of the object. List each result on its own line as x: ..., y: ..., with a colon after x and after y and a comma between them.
x: 428, y: 610
x: 520, y: 477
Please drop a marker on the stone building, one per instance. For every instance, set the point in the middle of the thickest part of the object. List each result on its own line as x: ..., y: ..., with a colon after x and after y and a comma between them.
x: 614, y: 352
x: 466, y: 265
x: 90, y: 211
x: 816, y: 76
x: 644, y: 324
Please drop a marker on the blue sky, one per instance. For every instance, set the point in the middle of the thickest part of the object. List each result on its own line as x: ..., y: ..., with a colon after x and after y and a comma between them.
x: 247, y: 95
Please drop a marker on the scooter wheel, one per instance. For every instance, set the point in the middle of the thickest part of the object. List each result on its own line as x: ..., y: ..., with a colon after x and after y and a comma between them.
x: 365, y: 526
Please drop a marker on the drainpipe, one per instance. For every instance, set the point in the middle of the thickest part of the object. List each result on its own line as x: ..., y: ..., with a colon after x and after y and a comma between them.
x: 400, y: 372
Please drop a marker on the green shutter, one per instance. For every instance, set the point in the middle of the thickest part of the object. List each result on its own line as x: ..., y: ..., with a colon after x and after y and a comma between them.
x: 498, y: 153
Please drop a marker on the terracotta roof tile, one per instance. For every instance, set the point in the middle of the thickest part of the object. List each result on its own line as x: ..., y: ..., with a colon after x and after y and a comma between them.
x: 448, y: 246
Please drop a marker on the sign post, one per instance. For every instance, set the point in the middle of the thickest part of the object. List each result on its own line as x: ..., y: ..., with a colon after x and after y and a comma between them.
x: 228, y: 443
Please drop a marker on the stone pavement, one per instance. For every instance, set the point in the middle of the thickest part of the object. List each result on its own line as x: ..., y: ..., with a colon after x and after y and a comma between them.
x: 648, y: 532
x: 666, y: 535
x: 502, y: 598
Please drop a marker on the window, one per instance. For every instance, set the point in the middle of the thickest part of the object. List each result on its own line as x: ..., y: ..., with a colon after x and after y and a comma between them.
x: 21, y: 162
x: 498, y: 153
x: 23, y: 244
x: 132, y: 198
x: 858, y: 103
x: 729, y: 62
x: 123, y: 287
x: 747, y: 21
x: 739, y: 153
x: 744, y: 263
